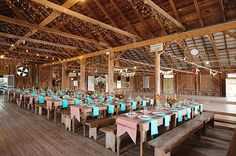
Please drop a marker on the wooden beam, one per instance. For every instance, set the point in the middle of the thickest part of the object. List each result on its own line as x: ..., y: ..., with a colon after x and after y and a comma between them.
x: 233, y: 35
x: 163, y: 39
x: 82, y: 83
x: 157, y: 72
x: 82, y: 17
x: 164, y: 13
x: 37, y: 41
x: 198, y: 13
x: 111, y: 64
x: 32, y: 48
x: 223, y: 10
x: 100, y: 6
x: 124, y: 17
x: 49, y: 19
x: 172, y: 4
x: 47, y: 30
x: 212, y: 41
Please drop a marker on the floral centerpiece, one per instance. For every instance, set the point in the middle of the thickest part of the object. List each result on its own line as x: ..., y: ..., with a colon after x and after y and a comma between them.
x: 158, y: 97
x: 171, y: 101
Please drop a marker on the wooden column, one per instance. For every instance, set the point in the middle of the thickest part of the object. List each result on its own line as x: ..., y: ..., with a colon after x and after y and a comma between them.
x: 111, y: 59
x: 50, y: 78
x: 82, y: 84
x: 157, y: 72
x: 63, y: 76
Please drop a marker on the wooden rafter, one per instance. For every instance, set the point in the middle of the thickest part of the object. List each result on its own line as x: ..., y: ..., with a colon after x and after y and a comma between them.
x: 230, y: 34
x: 212, y: 41
x: 223, y: 10
x: 83, y: 17
x: 37, y: 41
x: 164, y: 13
x: 198, y: 12
x: 49, y: 19
x: 47, y: 30
x: 172, y: 4
x: 141, y: 19
x: 163, y: 39
x: 106, y: 13
x: 32, y: 48
x: 114, y: 3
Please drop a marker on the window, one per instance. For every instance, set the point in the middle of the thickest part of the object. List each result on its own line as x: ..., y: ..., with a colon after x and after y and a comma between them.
x: 231, y: 75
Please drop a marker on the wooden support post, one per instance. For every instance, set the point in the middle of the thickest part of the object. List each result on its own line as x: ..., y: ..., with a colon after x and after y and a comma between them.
x: 157, y: 73
x: 111, y: 72
x: 63, y: 76
x: 50, y: 78
x: 82, y: 85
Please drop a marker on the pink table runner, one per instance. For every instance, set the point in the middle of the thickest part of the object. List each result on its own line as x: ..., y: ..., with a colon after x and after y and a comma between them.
x: 75, y: 112
x: 129, y: 126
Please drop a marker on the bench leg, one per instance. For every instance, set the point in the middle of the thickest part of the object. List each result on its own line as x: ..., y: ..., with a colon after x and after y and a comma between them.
x: 159, y: 152
x: 84, y: 130
x: 40, y: 110
x: 62, y: 118
x: 68, y: 122
x: 93, y: 133
x: 110, y: 141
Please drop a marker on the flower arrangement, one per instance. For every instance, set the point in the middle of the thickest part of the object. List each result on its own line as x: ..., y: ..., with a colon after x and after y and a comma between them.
x: 158, y: 97
x: 171, y: 101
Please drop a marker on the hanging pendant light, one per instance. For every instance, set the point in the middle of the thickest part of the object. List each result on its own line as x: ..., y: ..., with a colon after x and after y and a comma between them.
x: 194, y: 52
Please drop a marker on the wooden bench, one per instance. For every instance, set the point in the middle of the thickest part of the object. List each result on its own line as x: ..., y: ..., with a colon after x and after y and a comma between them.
x: 110, y: 132
x: 165, y: 143
x: 39, y: 108
x: 97, y: 123
x: 65, y: 118
x: 232, y: 149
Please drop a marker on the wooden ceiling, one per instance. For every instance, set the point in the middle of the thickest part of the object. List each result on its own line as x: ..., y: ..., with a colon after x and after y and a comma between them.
x: 36, y: 31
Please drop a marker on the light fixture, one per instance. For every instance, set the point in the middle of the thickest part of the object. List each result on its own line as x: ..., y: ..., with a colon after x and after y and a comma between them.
x: 107, y: 53
x: 194, y: 52
x: 12, y: 45
x: 37, y: 54
x: 23, y: 42
x: 135, y: 67
x: 73, y: 71
x: 46, y: 56
x: 2, y: 56
x: 207, y: 62
x: 27, y: 50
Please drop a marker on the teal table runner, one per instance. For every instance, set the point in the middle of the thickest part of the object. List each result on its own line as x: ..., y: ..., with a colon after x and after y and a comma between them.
x: 111, y: 108
x: 134, y: 105
x: 41, y: 99
x: 151, y: 101
x: 154, y: 128
x: 180, y: 117
x: 89, y: 100
x: 122, y: 107
x: 95, y: 110
x: 166, y: 119
x: 76, y: 102
x: 144, y: 103
x: 65, y: 103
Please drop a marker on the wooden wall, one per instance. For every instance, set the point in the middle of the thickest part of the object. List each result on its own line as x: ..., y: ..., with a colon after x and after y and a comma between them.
x: 202, y: 84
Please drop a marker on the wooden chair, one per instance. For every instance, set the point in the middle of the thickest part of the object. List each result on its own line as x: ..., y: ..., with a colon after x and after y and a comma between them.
x: 110, y: 132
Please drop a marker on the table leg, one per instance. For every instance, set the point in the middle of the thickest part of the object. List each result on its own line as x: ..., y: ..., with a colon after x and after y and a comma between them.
x: 55, y: 114
x: 73, y: 124
x: 48, y: 113
x: 118, y: 145
x: 142, y: 139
